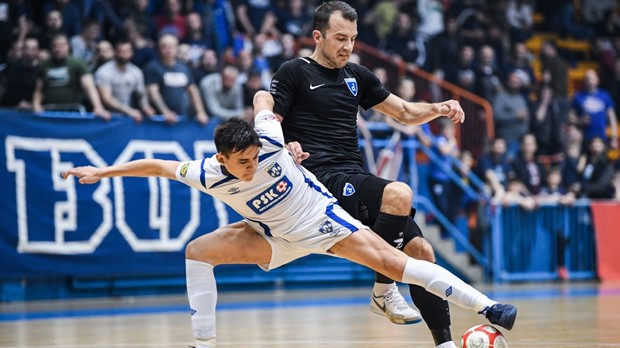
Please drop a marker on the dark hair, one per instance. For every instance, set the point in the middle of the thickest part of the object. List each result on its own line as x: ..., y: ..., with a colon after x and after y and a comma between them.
x: 324, y: 12
x: 235, y: 135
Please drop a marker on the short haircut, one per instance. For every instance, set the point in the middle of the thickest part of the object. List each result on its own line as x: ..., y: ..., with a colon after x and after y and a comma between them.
x: 324, y: 12
x: 235, y: 135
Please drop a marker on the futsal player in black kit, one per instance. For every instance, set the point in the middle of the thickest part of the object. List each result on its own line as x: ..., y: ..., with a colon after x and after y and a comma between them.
x: 317, y: 98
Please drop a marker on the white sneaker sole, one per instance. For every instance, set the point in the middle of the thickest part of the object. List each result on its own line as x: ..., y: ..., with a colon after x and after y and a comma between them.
x: 396, y: 320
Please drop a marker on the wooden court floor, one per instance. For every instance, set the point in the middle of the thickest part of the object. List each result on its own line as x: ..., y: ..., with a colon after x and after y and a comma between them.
x: 550, y: 315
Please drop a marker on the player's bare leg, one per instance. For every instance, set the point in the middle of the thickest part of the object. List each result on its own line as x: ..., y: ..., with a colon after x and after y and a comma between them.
x: 236, y: 243
x: 366, y: 248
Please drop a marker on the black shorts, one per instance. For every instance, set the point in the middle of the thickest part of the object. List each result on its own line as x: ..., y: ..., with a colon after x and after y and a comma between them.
x: 360, y: 195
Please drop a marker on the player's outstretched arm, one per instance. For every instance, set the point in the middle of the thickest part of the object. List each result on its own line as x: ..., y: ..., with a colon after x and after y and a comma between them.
x: 262, y: 101
x: 419, y: 113
x: 141, y: 168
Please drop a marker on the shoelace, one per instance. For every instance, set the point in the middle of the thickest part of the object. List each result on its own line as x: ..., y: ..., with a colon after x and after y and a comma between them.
x: 399, y: 303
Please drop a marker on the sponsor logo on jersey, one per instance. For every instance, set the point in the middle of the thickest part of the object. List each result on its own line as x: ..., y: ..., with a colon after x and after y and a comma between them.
x: 348, y: 190
x: 352, y: 84
x: 274, y: 170
x: 271, y: 196
x: 183, y: 171
x: 313, y: 87
x: 448, y: 291
x: 234, y: 190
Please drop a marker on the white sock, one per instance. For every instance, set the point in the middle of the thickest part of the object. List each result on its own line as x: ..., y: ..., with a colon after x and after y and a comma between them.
x: 202, y: 294
x: 438, y: 281
x: 381, y: 288
x: 448, y: 344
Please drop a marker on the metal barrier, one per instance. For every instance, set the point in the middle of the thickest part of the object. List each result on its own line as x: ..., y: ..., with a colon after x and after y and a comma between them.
x: 541, y: 244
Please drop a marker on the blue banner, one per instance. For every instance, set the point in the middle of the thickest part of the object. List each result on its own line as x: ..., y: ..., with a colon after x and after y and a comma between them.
x: 117, y: 227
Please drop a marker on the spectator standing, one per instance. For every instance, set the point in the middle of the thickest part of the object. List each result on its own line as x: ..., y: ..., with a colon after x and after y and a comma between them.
x: 121, y: 84
x: 72, y: 20
x: 520, y: 63
x: 51, y: 28
x: 525, y: 166
x: 254, y: 16
x: 488, y: 81
x: 144, y: 52
x: 593, y: 110
x: 293, y: 18
x: 556, y: 67
x: 21, y: 76
x: 223, y: 93
x: 170, y: 84
x: 171, y: 21
x: 84, y: 46
x: 195, y: 38
x: 462, y: 73
x: 63, y: 78
x: 548, y: 124
x: 520, y: 16
x: 510, y: 114
x: 13, y: 25
x: 402, y: 44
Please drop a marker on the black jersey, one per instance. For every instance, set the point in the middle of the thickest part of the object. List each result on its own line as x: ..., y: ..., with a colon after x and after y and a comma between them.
x: 319, y: 106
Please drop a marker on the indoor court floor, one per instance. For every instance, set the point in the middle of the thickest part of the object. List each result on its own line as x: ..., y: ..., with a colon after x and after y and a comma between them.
x: 558, y: 315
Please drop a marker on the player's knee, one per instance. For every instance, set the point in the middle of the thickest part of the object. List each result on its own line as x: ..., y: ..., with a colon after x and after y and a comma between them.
x: 420, y: 249
x: 397, y: 196
x: 195, y: 251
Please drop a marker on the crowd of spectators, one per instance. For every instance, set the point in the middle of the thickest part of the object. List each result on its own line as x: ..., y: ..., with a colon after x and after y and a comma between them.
x: 206, y: 58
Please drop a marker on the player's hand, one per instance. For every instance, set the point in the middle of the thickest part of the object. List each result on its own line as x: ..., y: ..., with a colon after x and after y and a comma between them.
x: 87, y: 175
x: 298, y: 154
x: 452, y: 110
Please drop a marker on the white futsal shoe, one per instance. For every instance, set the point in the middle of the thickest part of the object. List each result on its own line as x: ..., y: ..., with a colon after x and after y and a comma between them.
x: 393, y: 306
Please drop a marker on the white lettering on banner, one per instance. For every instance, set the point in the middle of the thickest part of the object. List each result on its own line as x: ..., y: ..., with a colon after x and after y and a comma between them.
x: 65, y: 213
x: 204, y: 149
x: 159, y: 200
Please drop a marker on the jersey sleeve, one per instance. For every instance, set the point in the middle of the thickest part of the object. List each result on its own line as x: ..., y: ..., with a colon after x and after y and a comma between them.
x: 191, y: 174
x: 283, y: 88
x: 373, y: 92
x: 268, y: 128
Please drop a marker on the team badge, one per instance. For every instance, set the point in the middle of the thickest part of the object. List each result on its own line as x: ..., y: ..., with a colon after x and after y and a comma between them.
x: 326, y: 227
x: 348, y: 190
x: 352, y: 84
x: 184, y: 170
x: 274, y: 170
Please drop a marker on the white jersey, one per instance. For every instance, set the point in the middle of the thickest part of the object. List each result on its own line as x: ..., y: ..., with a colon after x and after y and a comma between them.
x: 282, y: 198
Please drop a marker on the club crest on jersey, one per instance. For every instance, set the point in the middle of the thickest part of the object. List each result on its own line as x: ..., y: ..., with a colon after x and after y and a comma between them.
x: 326, y: 227
x: 274, y: 170
x: 271, y: 196
x: 348, y: 190
x: 352, y: 84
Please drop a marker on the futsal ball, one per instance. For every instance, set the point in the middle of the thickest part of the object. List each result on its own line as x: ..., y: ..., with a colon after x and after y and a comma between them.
x: 483, y: 336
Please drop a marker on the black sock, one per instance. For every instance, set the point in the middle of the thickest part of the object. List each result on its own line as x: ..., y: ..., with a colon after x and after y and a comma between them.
x: 435, y: 311
x: 391, y: 228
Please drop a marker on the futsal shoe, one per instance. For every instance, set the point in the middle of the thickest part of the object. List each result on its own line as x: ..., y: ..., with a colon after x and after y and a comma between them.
x: 393, y: 306
x: 503, y: 315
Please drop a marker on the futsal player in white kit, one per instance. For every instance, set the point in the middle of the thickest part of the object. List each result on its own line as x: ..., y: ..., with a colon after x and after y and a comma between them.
x: 287, y: 214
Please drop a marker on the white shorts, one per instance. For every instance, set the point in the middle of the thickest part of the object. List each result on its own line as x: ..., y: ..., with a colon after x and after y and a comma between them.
x: 312, y: 236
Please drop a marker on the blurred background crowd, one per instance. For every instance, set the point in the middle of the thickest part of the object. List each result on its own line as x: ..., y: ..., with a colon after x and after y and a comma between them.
x: 550, y: 69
